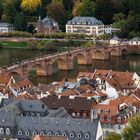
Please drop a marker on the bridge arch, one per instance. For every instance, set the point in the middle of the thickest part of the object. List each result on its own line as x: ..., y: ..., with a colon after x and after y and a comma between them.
x: 39, y: 69
x: 98, y: 54
x: 81, y: 59
x: 124, y: 51
x: 61, y: 63
x: 113, y: 52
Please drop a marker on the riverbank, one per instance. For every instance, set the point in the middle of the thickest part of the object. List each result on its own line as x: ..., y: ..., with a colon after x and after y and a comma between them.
x: 49, y: 45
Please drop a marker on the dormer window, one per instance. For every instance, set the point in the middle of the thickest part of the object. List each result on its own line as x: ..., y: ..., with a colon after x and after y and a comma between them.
x: 19, y: 132
x: 42, y: 133
x: 57, y: 133
x: 79, y: 135
x: 34, y: 133
x: 1, y: 130
x: 8, y: 131
x: 87, y: 136
x: 27, y: 133
x: 49, y: 133
x: 72, y: 135
x: 64, y: 134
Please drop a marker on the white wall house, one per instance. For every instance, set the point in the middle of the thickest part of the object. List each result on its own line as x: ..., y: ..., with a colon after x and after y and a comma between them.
x: 85, y: 25
x: 135, y: 41
x: 114, y: 41
x: 6, y: 27
x: 108, y: 29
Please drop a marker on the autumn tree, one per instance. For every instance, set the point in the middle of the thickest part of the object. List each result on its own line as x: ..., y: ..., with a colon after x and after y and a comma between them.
x: 30, y: 5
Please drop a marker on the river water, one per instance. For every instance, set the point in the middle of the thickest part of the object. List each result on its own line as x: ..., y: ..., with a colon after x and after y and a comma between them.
x: 125, y: 63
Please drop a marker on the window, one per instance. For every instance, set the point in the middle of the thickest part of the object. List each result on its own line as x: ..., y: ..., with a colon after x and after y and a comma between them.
x: 64, y: 134
x: 79, y: 135
x: 1, y: 131
x: 119, y: 126
x: 42, y: 133
x: 87, y: 135
x: 57, y: 134
x: 27, y: 133
x: 49, y: 133
x: 72, y: 135
x: 119, y: 119
x: 19, y: 132
x: 34, y: 133
x: 8, y: 131
x: 73, y: 114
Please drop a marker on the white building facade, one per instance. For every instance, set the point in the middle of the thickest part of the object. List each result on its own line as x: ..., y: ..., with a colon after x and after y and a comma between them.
x: 85, y: 25
x: 6, y: 27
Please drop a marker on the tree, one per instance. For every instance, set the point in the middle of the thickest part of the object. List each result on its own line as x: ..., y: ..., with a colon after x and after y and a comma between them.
x: 87, y: 8
x: 129, y: 133
x: 105, y: 10
x: 56, y: 10
x: 113, y: 136
x: 84, y: 8
x: 30, y: 5
x: 9, y: 10
x: 117, y: 17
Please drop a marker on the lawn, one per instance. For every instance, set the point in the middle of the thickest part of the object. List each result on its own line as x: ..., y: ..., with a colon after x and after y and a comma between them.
x: 18, y: 45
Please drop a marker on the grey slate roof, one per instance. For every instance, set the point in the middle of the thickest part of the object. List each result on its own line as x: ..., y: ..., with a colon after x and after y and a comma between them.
x: 57, y: 126
x: 61, y: 112
x: 47, y: 21
x: 85, y: 21
x: 4, y: 24
x: 21, y: 106
x: 135, y: 39
x: 6, y: 119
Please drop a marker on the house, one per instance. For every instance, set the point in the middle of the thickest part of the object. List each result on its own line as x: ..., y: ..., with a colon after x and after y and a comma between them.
x: 18, y: 87
x: 24, y: 107
x: 108, y: 29
x: 114, y: 41
x: 114, y: 115
x: 6, y: 27
x: 135, y: 41
x: 47, y: 25
x: 85, y: 25
x: 26, y: 127
x: 77, y: 107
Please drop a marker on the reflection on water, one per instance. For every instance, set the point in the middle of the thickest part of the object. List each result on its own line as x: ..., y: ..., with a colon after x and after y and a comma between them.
x: 125, y: 63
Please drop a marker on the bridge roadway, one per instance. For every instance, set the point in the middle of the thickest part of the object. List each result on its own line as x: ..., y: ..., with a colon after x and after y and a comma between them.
x: 43, y: 65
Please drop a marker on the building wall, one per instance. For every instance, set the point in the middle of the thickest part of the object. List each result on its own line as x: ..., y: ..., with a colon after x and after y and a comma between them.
x: 85, y: 29
x: 6, y: 29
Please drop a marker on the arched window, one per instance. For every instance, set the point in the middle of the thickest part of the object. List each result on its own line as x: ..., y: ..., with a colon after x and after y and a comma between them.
x: 8, y: 131
x: 42, y: 133
x: 19, y: 132
x: 34, y: 133
x: 72, y: 135
x: 79, y: 135
x: 64, y: 134
x: 87, y: 135
x: 57, y: 133
x: 1, y: 130
x: 49, y: 133
x: 27, y: 133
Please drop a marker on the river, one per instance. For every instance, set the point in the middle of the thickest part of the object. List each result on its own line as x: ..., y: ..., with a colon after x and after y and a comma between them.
x: 125, y: 63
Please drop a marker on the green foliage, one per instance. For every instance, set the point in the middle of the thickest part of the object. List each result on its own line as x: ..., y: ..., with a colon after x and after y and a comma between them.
x: 132, y: 129
x: 113, y: 136
x: 16, y: 34
x: 57, y: 11
x: 86, y: 8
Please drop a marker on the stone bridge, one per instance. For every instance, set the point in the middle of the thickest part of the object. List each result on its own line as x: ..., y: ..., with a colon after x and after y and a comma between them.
x: 43, y: 65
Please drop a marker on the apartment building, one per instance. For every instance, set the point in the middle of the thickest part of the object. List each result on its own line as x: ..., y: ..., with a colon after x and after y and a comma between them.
x: 85, y: 25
